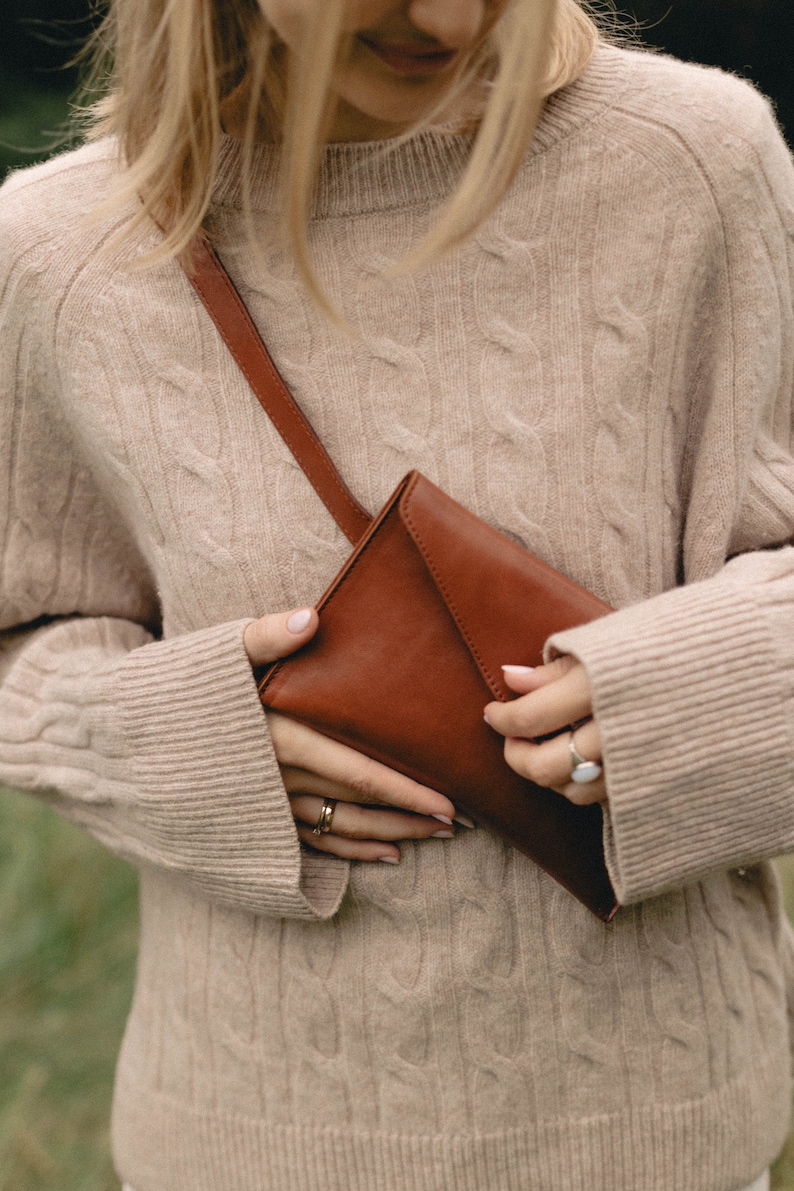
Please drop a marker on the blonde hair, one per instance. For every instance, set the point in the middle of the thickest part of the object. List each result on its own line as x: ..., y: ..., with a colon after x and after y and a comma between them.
x: 165, y: 68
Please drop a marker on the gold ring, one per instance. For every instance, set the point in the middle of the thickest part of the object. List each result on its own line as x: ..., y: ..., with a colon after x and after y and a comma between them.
x: 326, y: 817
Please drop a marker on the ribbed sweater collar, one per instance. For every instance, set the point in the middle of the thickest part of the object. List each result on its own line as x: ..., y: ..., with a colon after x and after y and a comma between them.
x: 355, y: 178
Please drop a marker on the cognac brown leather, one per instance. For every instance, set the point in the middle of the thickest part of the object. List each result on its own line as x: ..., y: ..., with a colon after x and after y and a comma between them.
x: 413, y: 632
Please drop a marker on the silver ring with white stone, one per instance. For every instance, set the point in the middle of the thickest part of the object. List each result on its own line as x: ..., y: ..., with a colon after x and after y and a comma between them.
x: 583, y: 771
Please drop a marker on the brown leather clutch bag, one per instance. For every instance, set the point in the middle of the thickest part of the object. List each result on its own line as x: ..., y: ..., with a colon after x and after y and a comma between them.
x: 413, y: 631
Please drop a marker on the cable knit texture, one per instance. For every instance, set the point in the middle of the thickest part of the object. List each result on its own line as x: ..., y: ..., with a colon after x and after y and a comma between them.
x: 605, y: 374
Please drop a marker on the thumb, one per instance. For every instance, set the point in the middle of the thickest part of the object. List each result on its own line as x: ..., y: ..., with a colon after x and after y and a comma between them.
x: 273, y: 637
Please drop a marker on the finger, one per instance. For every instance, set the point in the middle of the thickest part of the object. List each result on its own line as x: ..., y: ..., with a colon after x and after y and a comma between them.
x: 364, y: 822
x: 550, y: 764
x: 302, y: 781
x: 546, y: 710
x: 349, y: 849
x: 278, y: 635
x: 518, y: 755
x: 523, y: 679
x: 302, y: 747
x: 585, y: 795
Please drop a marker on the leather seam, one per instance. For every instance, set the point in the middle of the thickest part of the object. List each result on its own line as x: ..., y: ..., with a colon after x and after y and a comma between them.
x: 451, y: 605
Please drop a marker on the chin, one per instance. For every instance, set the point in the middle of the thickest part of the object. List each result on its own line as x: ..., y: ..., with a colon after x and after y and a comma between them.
x: 403, y: 102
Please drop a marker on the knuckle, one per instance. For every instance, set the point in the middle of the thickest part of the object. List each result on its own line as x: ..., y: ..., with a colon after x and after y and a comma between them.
x: 515, y: 725
x: 363, y: 787
x: 546, y: 774
x: 530, y: 762
x: 519, y: 757
x: 367, y: 783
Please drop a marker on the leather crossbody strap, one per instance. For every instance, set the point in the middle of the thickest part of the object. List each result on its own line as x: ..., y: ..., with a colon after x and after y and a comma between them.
x: 227, y: 310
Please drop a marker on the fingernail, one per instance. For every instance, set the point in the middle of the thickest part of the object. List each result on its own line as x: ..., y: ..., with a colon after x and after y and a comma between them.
x: 443, y: 835
x: 299, y: 620
x: 443, y: 818
x: 519, y: 669
x: 389, y: 859
x: 488, y: 722
x: 464, y: 821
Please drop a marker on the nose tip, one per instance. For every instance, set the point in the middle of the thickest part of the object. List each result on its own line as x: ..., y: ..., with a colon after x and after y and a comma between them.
x: 454, y: 23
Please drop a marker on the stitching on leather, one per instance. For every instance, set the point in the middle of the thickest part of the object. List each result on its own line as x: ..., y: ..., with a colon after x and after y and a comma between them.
x: 485, y: 669
x: 318, y: 456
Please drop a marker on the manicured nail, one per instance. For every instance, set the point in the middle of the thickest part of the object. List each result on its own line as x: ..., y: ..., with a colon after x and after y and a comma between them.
x: 443, y: 835
x: 519, y: 669
x: 389, y: 859
x: 299, y: 620
x: 464, y: 820
x: 443, y: 818
x: 488, y: 722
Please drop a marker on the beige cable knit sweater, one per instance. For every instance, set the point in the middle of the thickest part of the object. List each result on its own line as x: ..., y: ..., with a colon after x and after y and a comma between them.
x: 605, y: 374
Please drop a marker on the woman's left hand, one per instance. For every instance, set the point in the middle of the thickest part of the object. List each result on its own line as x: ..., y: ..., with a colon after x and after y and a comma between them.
x: 552, y: 697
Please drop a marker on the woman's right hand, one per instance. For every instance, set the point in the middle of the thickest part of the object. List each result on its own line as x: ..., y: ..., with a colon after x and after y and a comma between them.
x: 375, y: 805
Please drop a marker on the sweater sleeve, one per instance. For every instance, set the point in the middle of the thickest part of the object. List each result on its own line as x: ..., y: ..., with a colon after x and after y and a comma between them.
x: 693, y: 690
x: 158, y: 747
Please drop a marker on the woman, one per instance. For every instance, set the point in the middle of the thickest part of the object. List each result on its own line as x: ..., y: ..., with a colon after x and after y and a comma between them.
x: 593, y: 350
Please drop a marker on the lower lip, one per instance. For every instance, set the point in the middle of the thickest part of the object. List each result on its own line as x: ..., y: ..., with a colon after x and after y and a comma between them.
x: 413, y: 65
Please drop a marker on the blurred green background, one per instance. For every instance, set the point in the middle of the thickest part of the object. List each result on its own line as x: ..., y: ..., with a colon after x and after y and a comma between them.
x: 68, y: 910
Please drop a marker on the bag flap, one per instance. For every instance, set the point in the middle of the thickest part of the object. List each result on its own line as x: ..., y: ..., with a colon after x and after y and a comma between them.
x: 505, y: 602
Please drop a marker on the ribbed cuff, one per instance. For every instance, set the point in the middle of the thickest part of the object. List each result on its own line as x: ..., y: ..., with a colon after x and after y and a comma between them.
x: 210, y: 796
x: 691, y: 704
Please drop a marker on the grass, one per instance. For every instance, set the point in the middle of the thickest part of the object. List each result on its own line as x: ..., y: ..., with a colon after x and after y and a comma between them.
x: 68, y: 938
x: 783, y: 1170
x: 68, y: 935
